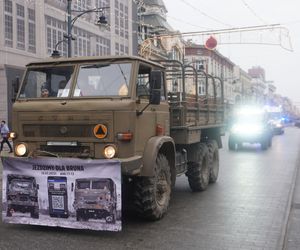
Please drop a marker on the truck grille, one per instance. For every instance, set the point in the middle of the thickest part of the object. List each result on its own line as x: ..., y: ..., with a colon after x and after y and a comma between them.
x: 23, y: 198
x: 30, y: 130
x: 65, y: 149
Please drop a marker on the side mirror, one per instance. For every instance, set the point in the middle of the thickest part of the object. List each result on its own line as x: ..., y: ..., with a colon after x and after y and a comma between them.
x: 155, y: 87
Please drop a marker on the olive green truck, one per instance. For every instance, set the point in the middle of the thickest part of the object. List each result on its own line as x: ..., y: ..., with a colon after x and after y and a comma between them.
x: 160, y: 119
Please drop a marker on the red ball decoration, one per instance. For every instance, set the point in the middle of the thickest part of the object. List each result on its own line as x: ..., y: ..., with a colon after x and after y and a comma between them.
x: 211, y: 43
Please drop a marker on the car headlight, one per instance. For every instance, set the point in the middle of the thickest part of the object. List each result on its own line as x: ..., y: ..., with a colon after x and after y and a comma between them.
x: 21, y: 149
x: 247, y: 129
x: 109, y: 152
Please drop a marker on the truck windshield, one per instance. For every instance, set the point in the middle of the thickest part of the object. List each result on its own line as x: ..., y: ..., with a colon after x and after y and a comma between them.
x: 18, y: 185
x: 83, y: 184
x: 103, y: 80
x: 47, y: 82
x: 100, y: 184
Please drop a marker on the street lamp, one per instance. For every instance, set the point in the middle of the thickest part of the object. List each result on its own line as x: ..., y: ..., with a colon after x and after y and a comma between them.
x: 102, y: 22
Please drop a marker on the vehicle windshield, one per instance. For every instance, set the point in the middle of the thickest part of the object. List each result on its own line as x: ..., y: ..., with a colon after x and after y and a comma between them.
x: 103, y: 80
x: 47, y: 82
x: 100, y: 184
x: 94, y: 80
x: 83, y: 184
x: 258, y: 118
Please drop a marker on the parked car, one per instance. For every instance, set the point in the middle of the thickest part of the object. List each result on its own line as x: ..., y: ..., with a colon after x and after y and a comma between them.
x: 297, y: 123
x: 277, y: 126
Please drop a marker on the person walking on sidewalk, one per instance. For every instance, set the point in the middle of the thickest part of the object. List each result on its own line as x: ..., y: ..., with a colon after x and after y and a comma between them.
x: 5, y: 135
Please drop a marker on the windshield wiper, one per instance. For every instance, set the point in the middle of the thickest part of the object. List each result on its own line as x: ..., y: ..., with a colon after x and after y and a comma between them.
x: 95, y: 66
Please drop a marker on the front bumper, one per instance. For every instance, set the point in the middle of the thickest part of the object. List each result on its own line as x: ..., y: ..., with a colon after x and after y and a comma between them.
x: 254, y: 138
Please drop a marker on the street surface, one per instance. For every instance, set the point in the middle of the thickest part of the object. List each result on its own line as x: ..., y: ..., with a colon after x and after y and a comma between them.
x: 248, y: 208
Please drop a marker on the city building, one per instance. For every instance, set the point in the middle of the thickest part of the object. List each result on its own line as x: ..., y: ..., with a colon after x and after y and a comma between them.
x: 242, y: 86
x: 32, y: 29
x: 259, y: 84
x: 157, y: 39
x: 215, y: 64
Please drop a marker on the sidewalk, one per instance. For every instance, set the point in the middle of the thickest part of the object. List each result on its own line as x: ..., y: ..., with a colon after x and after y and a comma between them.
x: 292, y: 237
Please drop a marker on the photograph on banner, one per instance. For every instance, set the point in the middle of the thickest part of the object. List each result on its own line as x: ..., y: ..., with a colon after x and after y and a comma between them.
x: 62, y: 192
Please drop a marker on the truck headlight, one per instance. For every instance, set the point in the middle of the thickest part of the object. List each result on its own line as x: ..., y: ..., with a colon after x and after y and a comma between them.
x: 109, y: 152
x: 21, y: 149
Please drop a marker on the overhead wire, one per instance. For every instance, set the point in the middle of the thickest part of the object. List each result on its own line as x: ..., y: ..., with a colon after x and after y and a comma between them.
x: 254, y: 12
x: 204, y: 14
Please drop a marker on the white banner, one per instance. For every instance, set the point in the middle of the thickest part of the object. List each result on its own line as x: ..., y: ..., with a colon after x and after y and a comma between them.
x: 62, y: 192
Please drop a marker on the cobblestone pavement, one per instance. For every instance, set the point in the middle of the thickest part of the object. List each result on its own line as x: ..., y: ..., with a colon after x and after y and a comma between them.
x: 292, y: 239
x: 247, y: 208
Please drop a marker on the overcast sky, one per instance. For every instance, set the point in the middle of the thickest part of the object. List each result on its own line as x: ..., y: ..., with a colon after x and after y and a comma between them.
x: 281, y: 65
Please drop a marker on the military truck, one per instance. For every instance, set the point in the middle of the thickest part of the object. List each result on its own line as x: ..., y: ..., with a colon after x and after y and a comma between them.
x: 160, y: 119
x: 22, y: 195
x: 95, y: 198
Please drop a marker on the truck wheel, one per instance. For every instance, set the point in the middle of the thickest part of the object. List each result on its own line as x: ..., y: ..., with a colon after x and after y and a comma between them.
x: 78, y: 216
x: 34, y: 213
x: 152, y: 194
x: 231, y: 143
x: 213, y: 160
x: 9, y: 212
x: 198, y: 172
x: 110, y: 218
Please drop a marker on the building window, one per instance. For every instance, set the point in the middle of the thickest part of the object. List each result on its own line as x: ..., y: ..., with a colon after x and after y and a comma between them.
x: 8, y: 22
x: 20, y: 11
x: 82, y: 4
x: 102, y: 46
x: 117, y: 49
x: 8, y: 31
x: 31, y: 31
x: 20, y: 27
x: 8, y: 6
x: 82, y: 45
x: 55, y: 31
x: 117, y: 22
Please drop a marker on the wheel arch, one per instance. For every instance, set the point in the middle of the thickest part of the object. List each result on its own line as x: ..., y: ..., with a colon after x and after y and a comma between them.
x: 159, y: 145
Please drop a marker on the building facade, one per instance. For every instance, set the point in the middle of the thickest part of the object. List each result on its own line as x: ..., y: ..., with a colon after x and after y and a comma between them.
x: 242, y: 86
x: 31, y: 29
x: 157, y: 39
x: 215, y: 64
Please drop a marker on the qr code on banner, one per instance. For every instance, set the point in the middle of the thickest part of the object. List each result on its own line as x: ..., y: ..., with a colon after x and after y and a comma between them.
x: 58, y: 202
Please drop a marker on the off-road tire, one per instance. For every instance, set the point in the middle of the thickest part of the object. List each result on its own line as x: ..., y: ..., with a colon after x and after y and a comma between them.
x: 34, y: 213
x: 198, y: 172
x: 213, y: 160
x: 79, y: 216
x: 8, y: 212
x: 111, y: 219
x: 151, y: 195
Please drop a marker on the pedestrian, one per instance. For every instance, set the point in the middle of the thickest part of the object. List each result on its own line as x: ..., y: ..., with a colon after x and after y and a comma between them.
x: 5, y: 135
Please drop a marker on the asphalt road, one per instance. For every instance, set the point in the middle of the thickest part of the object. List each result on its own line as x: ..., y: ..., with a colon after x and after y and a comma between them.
x: 248, y: 208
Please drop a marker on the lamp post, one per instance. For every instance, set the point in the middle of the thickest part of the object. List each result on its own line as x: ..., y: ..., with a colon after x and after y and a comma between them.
x: 102, y: 21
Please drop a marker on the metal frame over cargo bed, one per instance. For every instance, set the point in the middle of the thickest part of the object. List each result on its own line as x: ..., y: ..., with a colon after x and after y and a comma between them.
x: 191, y: 112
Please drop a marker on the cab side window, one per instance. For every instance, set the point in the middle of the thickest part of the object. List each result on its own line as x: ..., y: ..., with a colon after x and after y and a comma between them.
x: 143, y: 83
